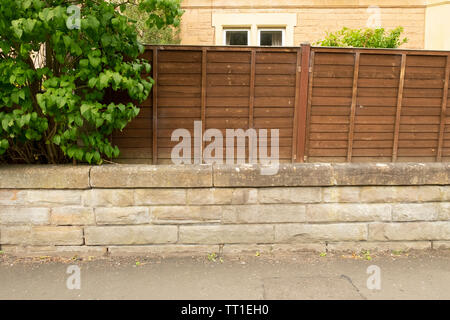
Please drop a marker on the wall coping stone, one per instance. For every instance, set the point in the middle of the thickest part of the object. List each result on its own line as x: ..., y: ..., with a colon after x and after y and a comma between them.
x: 149, y: 176
x: 44, y: 177
x: 335, y: 174
x: 204, y: 176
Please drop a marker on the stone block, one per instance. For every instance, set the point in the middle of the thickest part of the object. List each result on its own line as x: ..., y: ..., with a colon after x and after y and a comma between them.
x: 130, y: 235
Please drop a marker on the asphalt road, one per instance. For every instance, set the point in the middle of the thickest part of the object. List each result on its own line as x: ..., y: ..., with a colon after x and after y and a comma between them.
x: 413, y: 275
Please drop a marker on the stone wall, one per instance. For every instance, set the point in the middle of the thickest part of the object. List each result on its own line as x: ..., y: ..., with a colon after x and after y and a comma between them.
x: 165, y: 210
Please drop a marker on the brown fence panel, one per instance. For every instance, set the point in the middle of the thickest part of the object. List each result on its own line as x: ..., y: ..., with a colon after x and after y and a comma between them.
x: 179, y: 96
x: 329, y: 104
x: 378, y: 105
x: 421, y: 111
x: 228, y: 82
x: 275, y: 97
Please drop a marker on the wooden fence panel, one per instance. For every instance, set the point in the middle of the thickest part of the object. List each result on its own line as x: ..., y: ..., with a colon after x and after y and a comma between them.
x: 421, y: 109
x: 184, y: 74
x: 329, y: 104
x: 400, y: 112
x: 377, y: 107
x: 275, y: 108
x: 228, y: 92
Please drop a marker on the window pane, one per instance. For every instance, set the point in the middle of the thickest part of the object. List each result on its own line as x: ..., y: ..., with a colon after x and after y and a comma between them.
x: 271, y: 38
x: 237, y: 38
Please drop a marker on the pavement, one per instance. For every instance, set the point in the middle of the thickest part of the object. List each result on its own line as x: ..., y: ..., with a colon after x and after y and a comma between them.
x: 400, y: 275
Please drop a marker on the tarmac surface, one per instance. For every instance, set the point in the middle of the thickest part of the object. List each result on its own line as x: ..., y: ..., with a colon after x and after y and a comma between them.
x: 399, y: 275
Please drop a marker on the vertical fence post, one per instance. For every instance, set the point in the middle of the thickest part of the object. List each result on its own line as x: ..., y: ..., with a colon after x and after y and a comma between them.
x: 303, y: 101
x: 443, y: 111
x: 399, y: 108
x: 155, y: 106
x: 351, y: 126
x: 309, y: 103
x: 203, y: 101
x: 252, y: 89
x: 298, y: 72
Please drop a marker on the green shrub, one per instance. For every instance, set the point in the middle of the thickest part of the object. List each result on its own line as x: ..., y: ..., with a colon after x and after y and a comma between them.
x: 364, y: 38
x: 152, y: 35
x: 54, y: 75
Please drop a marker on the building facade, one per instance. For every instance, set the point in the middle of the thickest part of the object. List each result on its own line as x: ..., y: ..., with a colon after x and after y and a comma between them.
x: 292, y: 22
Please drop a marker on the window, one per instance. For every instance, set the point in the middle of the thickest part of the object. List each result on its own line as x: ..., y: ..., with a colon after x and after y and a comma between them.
x: 236, y: 37
x: 271, y: 37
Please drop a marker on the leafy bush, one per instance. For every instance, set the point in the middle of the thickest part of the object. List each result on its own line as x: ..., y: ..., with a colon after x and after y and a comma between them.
x: 54, y: 77
x: 152, y: 35
x: 364, y: 38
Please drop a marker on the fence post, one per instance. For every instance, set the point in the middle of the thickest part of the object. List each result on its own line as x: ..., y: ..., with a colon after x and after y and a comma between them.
x: 443, y: 111
x: 155, y: 106
x: 251, y: 105
x: 303, y: 101
x: 203, y: 97
x: 351, y: 126
x: 398, y: 113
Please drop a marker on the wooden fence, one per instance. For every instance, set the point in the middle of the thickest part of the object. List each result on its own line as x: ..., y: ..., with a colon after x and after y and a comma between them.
x: 330, y: 104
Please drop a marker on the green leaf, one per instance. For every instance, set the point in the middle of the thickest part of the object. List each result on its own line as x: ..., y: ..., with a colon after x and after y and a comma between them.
x: 47, y: 14
x: 92, y: 82
x: 89, y: 156
x: 117, y: 78
x: 103, y: 80
x: 26, y: 119
x: 98, y: 122
x: 17, y: 28
x: 4, y: 144
x: 5, y: 124
x: 15, y: 97
x: 26, y: 4
x: 67, y: 41
x: 116, y: 152
x: 108, y: 151
x: 92, y: 22
x: 71, y: 151
x: 76, y: 49
x: 28, y: 25
x: 79, y: 153
x: 94, y: 61
x: 78, y: 121
x: 29, y: 134
x: 84, y: 63
x: 84, y: 109
x: 106, y: 39
x: 97, y: 157
x: 57, y: 139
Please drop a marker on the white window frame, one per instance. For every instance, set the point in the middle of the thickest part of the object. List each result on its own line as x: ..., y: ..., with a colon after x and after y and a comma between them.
x: 225, y: 30
x: 283, y: 34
